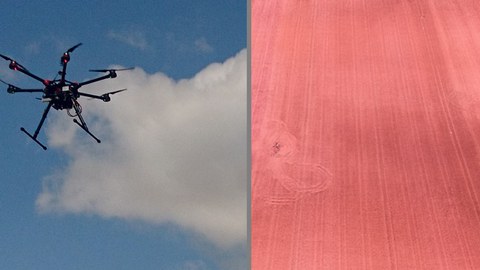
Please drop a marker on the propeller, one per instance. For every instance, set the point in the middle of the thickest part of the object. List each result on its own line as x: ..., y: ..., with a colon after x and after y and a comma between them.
x: 11, y: 88
x: 6, y: 57
x: 114, y: 92
x: 12, y: 62
x: 66, y: 58
x: 106, y: 96
x: 110, y: 70
x: 4, y: 82
x: 74, y: 47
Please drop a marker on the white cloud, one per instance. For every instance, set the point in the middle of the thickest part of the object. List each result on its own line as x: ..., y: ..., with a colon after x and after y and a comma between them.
x: 171, y: 152
x: 183, y: 44
x: 133, y: 37
x: 201, y: 45
x: 194, y: 265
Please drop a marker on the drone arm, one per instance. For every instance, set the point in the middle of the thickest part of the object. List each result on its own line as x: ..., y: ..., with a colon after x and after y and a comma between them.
x: 29, y: 90
x: 28, y: 73
x: 14, y: 65
x: 13, y: 90
x: 110, y: 75
x: 90, y: 95
x: 64, y: 70
x: 104, y: 97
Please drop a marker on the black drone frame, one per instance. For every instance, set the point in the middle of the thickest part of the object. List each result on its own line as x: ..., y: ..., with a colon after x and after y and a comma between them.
x: 62, y: 82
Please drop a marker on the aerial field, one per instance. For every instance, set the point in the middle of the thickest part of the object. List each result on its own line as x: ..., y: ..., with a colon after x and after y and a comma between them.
x: 365, y: 134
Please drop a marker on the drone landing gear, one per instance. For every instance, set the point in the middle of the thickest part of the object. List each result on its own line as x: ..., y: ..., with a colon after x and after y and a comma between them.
x: 33, y: 138
x: 82, y: 124
x: 84, y: 127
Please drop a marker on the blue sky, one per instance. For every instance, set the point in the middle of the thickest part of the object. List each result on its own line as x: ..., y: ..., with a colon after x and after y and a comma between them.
x: 172, y: 44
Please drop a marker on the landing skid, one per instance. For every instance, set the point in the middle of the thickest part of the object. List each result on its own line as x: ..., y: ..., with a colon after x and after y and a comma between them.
x: 33, y: 138
x: 86, y: 130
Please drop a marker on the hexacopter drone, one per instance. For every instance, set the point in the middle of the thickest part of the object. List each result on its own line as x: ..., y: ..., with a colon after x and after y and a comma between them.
x: 61, y: 93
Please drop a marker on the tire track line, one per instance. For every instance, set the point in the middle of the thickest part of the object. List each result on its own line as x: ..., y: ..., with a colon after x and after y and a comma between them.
x: 402, y: 155
x: 443, y: 36
x: 359, y: 150
x: 420, y: 152
x: 460, y: 78
x: 366, y: 243
x: 318, y: 247
x: 307, y: 97
x: 447, y: 116
x: 408, y: 195
x: 380, y: 162
x: 442, y: 165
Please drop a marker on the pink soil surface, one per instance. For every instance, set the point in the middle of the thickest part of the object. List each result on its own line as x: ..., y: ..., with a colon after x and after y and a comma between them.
x: 365, y: 134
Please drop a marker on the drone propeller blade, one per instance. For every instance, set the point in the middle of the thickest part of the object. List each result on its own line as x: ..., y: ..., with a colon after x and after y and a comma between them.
x: 11, y: 88
x: 110, y: 70
x: 122, y: 69
x: 13, y: 61
x: 98, y: 70
x: 10, y: 85
x: 4, y: 82
x: 74, y: 47
x: 114, y: 92
x: 6, y: 57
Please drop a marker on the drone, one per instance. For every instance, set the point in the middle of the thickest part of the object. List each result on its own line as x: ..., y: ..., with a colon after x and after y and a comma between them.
x: 61, y: 94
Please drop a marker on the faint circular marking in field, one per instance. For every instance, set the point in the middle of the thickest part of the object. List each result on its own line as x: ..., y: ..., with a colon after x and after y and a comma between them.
x: 278, y: 142
x: 286, y: 179
x: 281, y: 200
x: 269, y: 188
x: 305, y: 177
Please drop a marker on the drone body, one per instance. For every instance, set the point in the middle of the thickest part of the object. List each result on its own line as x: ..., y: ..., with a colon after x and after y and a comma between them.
x: 60, y: 93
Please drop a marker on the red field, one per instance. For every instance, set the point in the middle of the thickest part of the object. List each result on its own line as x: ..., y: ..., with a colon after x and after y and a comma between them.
x: 365, y: 134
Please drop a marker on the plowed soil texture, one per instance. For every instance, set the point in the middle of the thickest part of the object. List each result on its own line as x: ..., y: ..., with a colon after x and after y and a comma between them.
x: 365, y: 134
